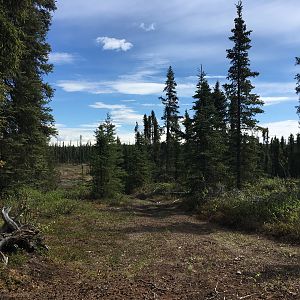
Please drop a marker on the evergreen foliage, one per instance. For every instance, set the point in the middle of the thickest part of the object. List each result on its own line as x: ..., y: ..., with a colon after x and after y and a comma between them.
x: 26, y: 120
x: 208, y: 141
x: 171, y: 122
x: 244, y: 104
x: 298, y: 85
x: 107, y: 170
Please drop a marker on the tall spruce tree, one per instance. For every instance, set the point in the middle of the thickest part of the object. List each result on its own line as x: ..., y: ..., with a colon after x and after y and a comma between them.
x: 156, y: 147
x: 244, y: 104
x: 171, y: 119
x: 28, y: 123
x: 187, y: 155
x: 107, y: 162
x: 298, y: 86
x: 208, y: 167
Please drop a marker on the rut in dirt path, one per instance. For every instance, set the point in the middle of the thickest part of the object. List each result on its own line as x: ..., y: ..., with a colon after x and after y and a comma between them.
x: 157, y: 251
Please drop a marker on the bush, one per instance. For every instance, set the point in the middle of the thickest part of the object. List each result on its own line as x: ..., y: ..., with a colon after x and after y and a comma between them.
x: 78, y: 192
x: 36, y: 204
x: 157, y: 189
x: 271, y: 206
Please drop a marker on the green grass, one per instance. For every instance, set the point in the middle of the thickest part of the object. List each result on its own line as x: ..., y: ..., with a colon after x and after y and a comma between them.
x: 271, y: 206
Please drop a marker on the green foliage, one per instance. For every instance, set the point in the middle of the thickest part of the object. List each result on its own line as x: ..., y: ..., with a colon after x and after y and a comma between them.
x: 136, y: 166
x: 37, y: 205
x: 107, y: 162
x: 271, y: 206
x: 208, y: 144
x: 244, y: 104
x: 78, y: 192
x: 25, y: 119
x: 62, y: 153
x: 171, y: 122
x: 298, y: 85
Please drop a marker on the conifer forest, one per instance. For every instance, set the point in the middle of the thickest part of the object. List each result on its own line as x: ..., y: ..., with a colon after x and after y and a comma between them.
x: 202, y: 203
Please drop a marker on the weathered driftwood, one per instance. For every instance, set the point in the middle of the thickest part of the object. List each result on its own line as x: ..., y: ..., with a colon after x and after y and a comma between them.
x: 14, y: 235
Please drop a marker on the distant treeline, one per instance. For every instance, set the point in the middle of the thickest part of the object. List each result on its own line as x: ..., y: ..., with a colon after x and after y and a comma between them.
x: 62, y: 153
x: 280, y: 157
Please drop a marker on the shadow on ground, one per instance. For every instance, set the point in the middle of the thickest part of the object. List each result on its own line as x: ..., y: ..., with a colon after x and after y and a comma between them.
x: 154, y: 213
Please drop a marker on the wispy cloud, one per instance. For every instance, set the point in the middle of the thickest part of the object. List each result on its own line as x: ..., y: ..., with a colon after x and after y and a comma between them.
x: 85, y: 86
x: 147, y: 28
x: 61, y: 58
x: 274, y: 88
x: 215, y: 77
x: 138, y: 88
x: 102, y: 105
x: 276, y: 100
x: 152, y: 104
x: 108, y: 87
x: 109, y: 43
x: 120, y: 114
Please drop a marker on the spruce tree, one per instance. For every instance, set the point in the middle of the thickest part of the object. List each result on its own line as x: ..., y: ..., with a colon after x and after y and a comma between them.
x: 171, y: 120
x: 156, y: 131
x: 221, y: 106
x: 28, y: 122
x: 292, y: 156
x: 187, y: 155
x: 244, y: 104
x: 298, y: 85
x: 156, y: 147
x: 106, y: 164
x: 147, y: 129
x: 208, y: 144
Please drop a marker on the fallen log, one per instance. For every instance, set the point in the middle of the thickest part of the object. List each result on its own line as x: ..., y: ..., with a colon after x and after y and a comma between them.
x: 14, y: 235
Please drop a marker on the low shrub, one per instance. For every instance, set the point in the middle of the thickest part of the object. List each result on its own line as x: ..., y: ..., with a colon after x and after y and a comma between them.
x: 157, y: 189
x: 36, y: 204
x: 271, y: 206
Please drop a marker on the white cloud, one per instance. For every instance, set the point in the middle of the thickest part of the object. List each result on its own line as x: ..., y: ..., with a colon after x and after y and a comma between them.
x: 60, y: 58
x: 102, y: 105
x: 150, y: 27
x: 71, y: 135
x: 215, y: 77
x: 282, y: 128
x: 109, y: 43
x: 276, y: 100
x: 138, y: 88
x: 126, y: 116
x: 130, y: 100
x: 152, y: 104
x: 118, y: 86
x: 85, y: 86
x: 120, y: 114
x: 274, y: 88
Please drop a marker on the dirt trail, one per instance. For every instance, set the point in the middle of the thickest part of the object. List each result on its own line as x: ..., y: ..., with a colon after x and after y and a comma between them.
x: 156, y: 251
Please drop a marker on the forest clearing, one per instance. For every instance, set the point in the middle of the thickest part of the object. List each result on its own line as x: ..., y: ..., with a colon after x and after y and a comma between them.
x: 148, y: 250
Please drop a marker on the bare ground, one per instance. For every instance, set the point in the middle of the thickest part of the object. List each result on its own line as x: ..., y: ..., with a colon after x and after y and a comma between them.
x: 153, y: 251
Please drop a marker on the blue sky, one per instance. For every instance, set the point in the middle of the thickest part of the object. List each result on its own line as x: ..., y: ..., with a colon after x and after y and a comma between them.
x: 112, y: 56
